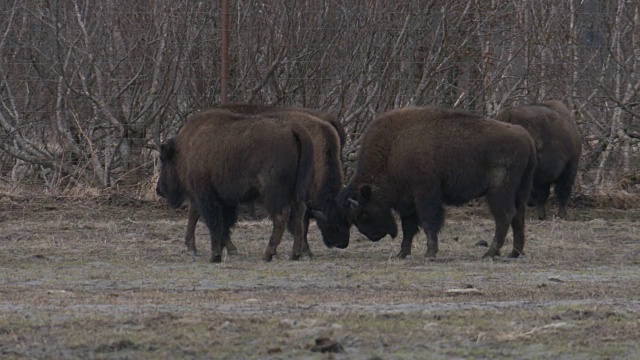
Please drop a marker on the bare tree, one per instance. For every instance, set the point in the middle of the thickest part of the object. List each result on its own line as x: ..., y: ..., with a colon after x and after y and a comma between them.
x: 88, y: 90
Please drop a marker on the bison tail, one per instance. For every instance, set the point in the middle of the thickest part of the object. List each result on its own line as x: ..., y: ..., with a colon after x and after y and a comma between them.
x: 305, y: 161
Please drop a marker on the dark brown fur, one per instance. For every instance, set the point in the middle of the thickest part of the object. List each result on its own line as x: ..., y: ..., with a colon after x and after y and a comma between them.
x: 415, y: 160
x: 253, y: 109
x: 327, y: 179
x: 558, y: 145
x: 326, y: 183
x: 217, y: 162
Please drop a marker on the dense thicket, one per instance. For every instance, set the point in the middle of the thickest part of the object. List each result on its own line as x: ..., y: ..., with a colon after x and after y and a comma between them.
x: 89, y: 88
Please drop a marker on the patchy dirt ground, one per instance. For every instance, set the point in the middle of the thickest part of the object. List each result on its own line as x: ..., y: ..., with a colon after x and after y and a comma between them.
x: 91, y: 279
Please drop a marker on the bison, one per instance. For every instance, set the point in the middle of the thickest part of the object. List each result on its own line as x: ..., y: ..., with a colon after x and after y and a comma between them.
x: 414, y: 160
x: 327, y: 176
x: 220, y: 159
x: 558, y: 145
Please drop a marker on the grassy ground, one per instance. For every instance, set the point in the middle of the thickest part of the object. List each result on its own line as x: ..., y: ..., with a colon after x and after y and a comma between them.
x: 111, y: 279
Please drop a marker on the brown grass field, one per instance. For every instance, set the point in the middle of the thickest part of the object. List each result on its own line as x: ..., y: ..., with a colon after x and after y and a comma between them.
x: 109, y: 279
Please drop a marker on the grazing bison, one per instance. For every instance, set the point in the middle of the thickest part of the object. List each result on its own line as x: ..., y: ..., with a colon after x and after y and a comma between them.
x: 414, y: 160
x: 218, y: 160
x: 558, y: 145
x: 327, y: 178
x: 254, y: 109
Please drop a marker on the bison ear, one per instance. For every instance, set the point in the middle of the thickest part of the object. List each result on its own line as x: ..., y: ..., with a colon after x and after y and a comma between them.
x: 365, y: 193
x: 168, y: 150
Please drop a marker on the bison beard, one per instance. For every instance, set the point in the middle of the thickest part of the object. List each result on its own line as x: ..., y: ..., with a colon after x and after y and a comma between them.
x: 558, y: 145
x: 219, y: 164
x: 415, y: 160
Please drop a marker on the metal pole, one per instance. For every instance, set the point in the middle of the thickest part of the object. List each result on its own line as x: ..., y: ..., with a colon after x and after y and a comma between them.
x: 224, y: 64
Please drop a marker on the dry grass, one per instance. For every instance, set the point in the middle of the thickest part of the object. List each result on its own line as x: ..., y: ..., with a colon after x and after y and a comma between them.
x: 108, y: 277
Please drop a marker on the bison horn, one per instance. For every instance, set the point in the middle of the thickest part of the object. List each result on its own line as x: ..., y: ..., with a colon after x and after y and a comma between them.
x: 319, y: 215
x: 354, y: 203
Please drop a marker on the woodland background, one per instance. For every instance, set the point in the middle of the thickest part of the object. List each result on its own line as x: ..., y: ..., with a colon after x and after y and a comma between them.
x: 89, y: 89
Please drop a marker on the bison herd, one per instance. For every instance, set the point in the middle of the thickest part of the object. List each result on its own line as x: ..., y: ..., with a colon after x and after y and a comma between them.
x: 411, y: 160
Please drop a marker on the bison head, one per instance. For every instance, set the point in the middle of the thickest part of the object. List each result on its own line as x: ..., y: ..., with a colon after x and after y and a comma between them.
x: 334, y: 226
x: 371, y: 215
x: 169, y: 186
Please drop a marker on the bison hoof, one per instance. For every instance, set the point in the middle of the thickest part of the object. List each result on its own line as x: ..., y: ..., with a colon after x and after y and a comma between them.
x: 514, y: 254
x: 491, y: 254
x: 267, y: 257
x: 294, y: 257
x: 431, y: 254
x: 403, y: 254
x: 309, y: 254
x: 216, y: 259
x: 233, y: 251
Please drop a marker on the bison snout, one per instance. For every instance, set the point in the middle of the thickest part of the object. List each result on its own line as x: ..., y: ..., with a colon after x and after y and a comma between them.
x: 376, y: 237
x: 342, y: 245
x: 337, y: 244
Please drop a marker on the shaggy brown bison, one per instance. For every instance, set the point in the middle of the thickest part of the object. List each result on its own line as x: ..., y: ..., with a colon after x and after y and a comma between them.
x: 558, y: 145
x: 218, y: 160
x: 327, y: 181
x: 414, y: 160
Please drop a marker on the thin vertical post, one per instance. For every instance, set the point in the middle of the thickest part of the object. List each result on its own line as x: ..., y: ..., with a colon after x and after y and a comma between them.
x: 224, y: 63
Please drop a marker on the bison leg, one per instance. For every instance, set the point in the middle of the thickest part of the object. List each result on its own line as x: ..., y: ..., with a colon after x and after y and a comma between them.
x: 431, y: 215
x: 298, y: 211
x: 539, y: 195
x: 306, y: 250
x: 190, y: 237
x: 563, y: 188
x: 517, y: 224
x: 279, y: 221
x: 409, y: 230
x: 291, y: 226
x: 230, y: 246
x: 432, y: 244
x: 212, y: 214
x: 230, y: 218
x: 502, y: 207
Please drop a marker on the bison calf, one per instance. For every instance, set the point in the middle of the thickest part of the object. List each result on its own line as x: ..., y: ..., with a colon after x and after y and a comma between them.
x: 558, y: 145
x: 415, y: 160
x: 219, y: 162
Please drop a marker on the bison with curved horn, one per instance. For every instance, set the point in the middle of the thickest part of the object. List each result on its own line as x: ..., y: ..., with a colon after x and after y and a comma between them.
x: 219, y: 160
x: 415, y: 160
x: 558, y: 145
x: 327, y: 179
